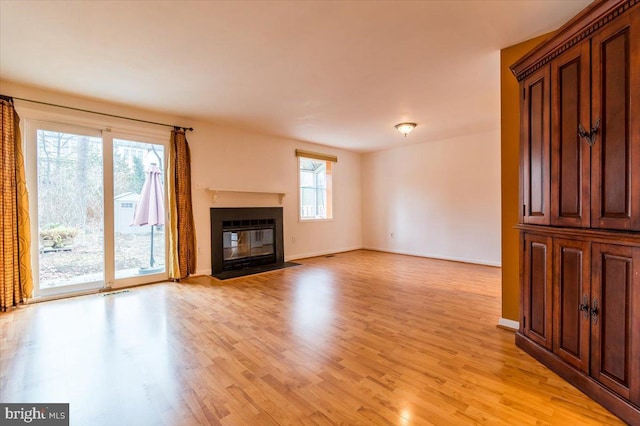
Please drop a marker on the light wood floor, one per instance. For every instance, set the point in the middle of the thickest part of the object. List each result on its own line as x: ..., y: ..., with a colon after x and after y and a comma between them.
x: 358, y: 338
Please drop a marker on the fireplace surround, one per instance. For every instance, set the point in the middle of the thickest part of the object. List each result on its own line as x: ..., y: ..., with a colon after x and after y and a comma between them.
x: 246, y: 238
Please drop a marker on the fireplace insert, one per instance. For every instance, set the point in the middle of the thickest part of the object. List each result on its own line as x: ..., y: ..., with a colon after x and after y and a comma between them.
x: 247, y: 243
x: 245, y: 238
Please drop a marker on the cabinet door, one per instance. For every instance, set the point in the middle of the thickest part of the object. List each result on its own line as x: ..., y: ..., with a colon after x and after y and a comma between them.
x: 615, y: 169
x: 571, y: 156
x: 536, y: 286
x: 571, y: 301
x: 615, y: 319
x: 535, y: 147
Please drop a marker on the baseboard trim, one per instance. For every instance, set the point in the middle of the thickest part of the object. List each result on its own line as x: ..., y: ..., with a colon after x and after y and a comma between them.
x: 507, y: 323
x: 346, y: 249
x: 201, y: 272
x: 430, y: 256
x: 320, y: 253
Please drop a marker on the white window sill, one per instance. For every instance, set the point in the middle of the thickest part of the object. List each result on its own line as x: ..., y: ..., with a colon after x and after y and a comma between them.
x: 314, y: 220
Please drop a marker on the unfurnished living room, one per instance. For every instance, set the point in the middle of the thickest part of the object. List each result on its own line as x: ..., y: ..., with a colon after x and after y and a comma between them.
x: 348, y: 212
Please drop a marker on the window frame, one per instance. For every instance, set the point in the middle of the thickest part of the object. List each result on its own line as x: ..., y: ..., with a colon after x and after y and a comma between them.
x: 328, y: 188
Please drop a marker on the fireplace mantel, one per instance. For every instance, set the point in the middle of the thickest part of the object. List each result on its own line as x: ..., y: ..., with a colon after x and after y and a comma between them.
x: 215, y: 192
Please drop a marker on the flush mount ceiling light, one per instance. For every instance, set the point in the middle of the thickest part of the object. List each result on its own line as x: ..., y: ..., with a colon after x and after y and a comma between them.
x: 405, y: 128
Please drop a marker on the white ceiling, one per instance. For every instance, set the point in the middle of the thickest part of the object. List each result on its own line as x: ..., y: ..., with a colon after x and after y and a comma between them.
x: 339, y: 73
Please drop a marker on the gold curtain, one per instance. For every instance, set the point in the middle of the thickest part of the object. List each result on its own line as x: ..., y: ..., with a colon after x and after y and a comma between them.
x: 182, y: 236
x: 16, y: 281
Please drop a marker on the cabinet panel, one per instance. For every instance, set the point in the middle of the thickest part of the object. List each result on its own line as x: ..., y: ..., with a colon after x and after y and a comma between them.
x: 537, y: 309
x: 615, y: 354
x: 615, y: 157
x: 571, y: 296
x: 536, y: 148
x: 570, y: 159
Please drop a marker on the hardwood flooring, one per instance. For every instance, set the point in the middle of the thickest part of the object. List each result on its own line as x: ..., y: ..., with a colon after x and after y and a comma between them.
x: 358, y: 338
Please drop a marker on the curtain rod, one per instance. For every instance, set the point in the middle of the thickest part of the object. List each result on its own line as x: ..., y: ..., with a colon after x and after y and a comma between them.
x: 11, y: 98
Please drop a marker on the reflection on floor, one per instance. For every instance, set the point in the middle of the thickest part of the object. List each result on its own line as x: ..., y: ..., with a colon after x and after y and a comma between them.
x: 358, y: 338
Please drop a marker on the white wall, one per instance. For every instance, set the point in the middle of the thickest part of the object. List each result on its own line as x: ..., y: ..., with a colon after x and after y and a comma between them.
x: 438, y: 199
x: 230, y: 158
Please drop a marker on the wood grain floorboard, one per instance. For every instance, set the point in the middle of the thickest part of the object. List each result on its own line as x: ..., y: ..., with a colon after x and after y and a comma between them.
x: 360, y: 338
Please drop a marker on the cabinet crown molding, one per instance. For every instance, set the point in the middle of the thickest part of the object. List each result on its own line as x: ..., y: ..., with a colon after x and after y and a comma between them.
x: 581, y: 27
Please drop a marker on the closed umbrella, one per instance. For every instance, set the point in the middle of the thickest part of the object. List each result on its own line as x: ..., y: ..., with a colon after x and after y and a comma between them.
x: 150, y: 207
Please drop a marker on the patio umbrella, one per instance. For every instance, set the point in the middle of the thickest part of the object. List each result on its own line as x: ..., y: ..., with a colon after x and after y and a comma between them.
x: 150, y: 207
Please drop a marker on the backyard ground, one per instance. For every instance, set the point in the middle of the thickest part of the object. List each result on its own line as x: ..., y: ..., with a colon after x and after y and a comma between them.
x: 86, y: 258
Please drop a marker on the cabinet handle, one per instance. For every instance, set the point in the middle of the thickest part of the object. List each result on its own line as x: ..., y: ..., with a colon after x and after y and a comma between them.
x: 592, y: 135
x: 584, y: 307
x: 594, y: 312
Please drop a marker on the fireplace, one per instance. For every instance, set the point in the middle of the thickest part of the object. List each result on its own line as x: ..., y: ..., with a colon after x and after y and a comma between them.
x: 245, y: 239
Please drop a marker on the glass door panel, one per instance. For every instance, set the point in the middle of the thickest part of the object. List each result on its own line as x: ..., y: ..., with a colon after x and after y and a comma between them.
x: 98, y: 205
x: 70, y: 200
x: 139, y: 208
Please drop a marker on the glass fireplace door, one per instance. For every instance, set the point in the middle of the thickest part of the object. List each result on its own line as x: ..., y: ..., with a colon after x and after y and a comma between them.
x: 242, y: 244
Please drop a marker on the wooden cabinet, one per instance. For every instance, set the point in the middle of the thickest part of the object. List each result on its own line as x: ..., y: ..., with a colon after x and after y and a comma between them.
x: 581, y: 312
x: 615, y: 104
x: 594, y: 176
x: 536, y: 148
x: 572, y: 301
x: 580, y: 196
x: 615, y: 319
x: 570, y: 161
x: 537, y: 292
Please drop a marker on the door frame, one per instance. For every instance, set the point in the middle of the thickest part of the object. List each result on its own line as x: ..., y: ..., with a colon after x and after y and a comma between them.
x: 34, y: 118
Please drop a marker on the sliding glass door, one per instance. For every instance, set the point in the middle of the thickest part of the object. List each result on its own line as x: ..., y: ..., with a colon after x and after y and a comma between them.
x: 97, y: 208
x: 139, y: 210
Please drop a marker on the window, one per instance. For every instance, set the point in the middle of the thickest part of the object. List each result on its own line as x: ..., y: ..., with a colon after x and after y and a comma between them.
x: 315, y: 188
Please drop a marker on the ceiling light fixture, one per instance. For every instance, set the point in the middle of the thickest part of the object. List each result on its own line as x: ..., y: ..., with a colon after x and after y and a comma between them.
x: 405, y: 128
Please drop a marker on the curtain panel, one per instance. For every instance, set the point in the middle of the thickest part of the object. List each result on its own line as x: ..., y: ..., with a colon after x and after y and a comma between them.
x: 16, y: 280
x: 182, y: 237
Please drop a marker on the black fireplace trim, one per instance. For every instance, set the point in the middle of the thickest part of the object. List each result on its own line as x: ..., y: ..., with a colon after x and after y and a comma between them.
x: 225, y: 214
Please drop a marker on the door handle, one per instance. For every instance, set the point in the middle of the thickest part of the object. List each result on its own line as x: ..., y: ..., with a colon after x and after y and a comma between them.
x: 584, y: 307
x: 592, y: 135
x: 594, y: 312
